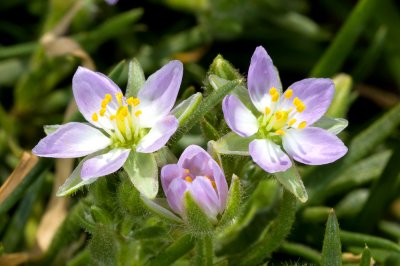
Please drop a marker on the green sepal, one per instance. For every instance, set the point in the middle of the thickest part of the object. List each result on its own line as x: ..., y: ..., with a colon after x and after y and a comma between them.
x: 232, y: 143
x: 366, y: 257
x: 116, y: 73
x: 332, y: 247
x: 49, y: 129
x: 156, y: 206
x: 291, y: 180
x: 199, y: 223
x: 74, y: 181
x: 100, y: 216
x: 233, y: 202
x: 341, y: 101
x: 183, y: 110
x: 224, y: 69
x: 333, y: 125
x: 136, y: 78
x: 103, y: 246
x: 164, y: 156
x: 142, y: 171
x: 208, y: 130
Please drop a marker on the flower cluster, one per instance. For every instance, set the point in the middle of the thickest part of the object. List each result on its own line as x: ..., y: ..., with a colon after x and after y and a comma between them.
x: 280, y: 128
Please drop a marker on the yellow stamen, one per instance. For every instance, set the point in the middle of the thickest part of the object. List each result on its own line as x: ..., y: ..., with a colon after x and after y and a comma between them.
x: 273, y: 91
x: 288, y: 93
x: 189, y: 179
x: 95, y: 118
x: 275, y: 97
x: 108, y: 97
x: 138, y: 112
x: 296, y: 101
x: 291, y: 122
x: 133, y: 101
x: 187, y: 171
x: 302, y: 125
x: 124, y: 111
x: 212, y: 181
x: 278, y: 115
x: 112, y: 117
x: 280, y: 132
x: 300, y: 108
x: 267, y: 110
x: 102, y: 111
x: 119, y: 98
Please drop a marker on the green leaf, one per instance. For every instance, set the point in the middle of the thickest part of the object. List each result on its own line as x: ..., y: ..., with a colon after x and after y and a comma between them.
x: 333, y: 125
x: 158, y: 209
x: 332, y: 247
x: 74, y: 181
x: 142, y: 170
x: 366, y: 257
x: 232, y: 143
x: 353, y: 239
x: 48, y: 129
x: 208, y: 130
x: 233, y: 202
x: 199, y: 223
x: 136, y: 78
x: 184, y: 109
x: 116, y: 72
x: 291, y: 180
x: 164, y: 156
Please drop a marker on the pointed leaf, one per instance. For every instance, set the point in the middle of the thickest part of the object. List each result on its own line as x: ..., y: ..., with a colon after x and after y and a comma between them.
x: 153, y: 206
x: 332, y: 247
x: 333, y: 125
x: 231, y: 143
x: 116, y: 73
x: 233, y: 202
x: 136, y: 78
x: 183, y: 110
x: 366, y: 257
x: 142, y: 170
x: 291, y: 180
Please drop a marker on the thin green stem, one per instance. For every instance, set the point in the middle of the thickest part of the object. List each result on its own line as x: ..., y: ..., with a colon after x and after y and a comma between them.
x: 204, y: 251
x: 274, y: 236
x: 176, y: 250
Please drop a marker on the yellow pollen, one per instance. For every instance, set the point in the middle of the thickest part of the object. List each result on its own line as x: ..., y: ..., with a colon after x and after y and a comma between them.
x: 95, y: 118
x: 275, y: 97
x: 288, y: 93
x: 119, y: 98
x: 102, y: 111
x: 133, y: 101
x: 124, y: 111
x: 273, y: 91
x: 278, y: 115
x: 301, y: 107
x: 108, y: 97
x: 112, y: 117
x: 138, y: 112
x: 296, y: 101
x: 267, y: 110
x: 280, y: 132
x: 302, y: 125
x: 212, y: 181
x: 104, y: 103
x: 291, y: 122
x: 187, y: 171
x: 189, y: 179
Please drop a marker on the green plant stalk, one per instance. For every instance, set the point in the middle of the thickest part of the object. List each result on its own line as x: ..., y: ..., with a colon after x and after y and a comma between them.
x: 275, y: 234
x: 335, y: 55
x: 204, y: 251
x: 19, y: 191
x: 205, y: 106
x: 350, y: 238
x: 67, y: 232
x: 301, y: 251
x: 176, y: 250
x: 366, y: 257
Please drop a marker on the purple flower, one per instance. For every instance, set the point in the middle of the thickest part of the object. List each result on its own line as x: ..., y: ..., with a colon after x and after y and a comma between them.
x: 284, y: 124
x: 197, y: 173
x: 118, y: 125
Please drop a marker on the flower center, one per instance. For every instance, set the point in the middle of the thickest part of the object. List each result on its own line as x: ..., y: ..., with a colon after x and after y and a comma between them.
x: 189, y: 177
x: 124, y: 116
x: 274, y: 121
